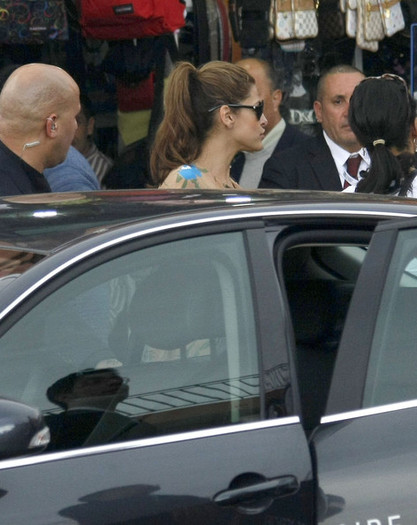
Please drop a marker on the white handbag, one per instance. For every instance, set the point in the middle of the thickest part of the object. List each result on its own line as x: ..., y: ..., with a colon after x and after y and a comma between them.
x: 392, y: 16
x: 295, y: 19
x: 361, y: 41
x: 351, y: 18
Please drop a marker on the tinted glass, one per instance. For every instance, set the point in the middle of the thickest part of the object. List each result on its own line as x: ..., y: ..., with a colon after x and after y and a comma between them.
x: 392, y: 373
x: 157, y: 341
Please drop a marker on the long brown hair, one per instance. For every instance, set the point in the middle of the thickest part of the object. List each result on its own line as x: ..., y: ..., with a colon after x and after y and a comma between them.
x: 187, y: 122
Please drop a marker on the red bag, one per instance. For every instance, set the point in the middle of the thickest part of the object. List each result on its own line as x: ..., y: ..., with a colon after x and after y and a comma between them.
x: 129, y: 19
x: 135, y: 97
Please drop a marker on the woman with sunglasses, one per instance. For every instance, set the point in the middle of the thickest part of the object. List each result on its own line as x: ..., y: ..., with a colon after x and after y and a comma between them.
x: 382, y: 114
x: 211, y: 113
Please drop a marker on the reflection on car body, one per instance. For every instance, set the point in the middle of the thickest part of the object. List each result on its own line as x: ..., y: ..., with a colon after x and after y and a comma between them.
x: 223, y: 357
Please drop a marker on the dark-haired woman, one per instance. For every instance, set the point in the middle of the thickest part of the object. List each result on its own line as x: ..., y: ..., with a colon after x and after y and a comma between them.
x: 382, y: 114
x: 211, y: 113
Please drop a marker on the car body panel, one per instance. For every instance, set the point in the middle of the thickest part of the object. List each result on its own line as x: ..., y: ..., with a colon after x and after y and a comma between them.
x: 152, y: 481
x: 271, y: 469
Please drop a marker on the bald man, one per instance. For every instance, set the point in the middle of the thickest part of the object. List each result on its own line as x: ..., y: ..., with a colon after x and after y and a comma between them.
x: 279, y: 135
x: 39, y: 104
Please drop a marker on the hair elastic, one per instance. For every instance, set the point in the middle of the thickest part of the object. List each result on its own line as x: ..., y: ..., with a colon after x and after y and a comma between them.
x: 378, y: 141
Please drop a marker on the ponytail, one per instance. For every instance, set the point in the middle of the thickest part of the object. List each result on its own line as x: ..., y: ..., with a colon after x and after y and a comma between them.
x: 190, y: 93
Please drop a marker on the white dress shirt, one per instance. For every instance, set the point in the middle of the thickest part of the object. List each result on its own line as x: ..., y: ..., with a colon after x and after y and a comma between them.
x: 340, y: 157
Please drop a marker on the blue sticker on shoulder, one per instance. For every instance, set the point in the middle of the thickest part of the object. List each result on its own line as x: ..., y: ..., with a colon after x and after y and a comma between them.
x: 189, y: 172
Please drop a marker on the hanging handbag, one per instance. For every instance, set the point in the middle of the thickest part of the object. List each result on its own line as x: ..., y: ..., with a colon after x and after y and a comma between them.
x: 351, y: 18
x: 295, y: 19
x: 361, y: 41
x: 32, y: 21
x: 121, y: 20
x: 331, y: 20
x: 255, y: 30
x: 373, y: 25
x: 392, y: 16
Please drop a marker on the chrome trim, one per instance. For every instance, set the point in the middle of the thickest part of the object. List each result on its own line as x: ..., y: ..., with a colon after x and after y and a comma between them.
x: 193, y: 222
x: 366, y: 412
x: 148, y: 442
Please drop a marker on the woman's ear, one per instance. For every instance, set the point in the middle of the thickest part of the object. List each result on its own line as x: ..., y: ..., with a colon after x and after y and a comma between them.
x: 227, y: 117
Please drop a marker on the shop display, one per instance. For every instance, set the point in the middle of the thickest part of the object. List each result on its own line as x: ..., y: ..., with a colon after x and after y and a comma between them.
x: 32, y: 21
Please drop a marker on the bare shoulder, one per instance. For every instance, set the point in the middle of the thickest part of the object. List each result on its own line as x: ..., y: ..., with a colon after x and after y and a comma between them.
x: 184, y: 177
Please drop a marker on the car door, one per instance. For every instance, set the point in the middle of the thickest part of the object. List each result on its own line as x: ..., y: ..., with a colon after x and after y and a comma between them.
x: 366, y: 446
x: 161, y: 367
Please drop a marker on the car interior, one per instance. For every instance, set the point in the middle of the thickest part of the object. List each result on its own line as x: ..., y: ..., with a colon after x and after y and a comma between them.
x: 319, y: 270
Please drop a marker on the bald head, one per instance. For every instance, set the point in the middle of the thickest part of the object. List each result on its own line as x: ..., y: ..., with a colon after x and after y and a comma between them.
x: 38, y: 108
x: 31, y: 93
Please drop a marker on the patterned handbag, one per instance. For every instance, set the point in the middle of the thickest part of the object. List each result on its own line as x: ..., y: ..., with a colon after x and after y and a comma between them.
x: 373, y: 25
x: 295, y: 19
x: 361, y: 41
x: 392, y: 16
x: 331, y: 20
x: 32, y: 21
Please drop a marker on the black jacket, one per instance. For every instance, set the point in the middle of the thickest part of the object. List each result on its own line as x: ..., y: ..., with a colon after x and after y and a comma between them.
x: 291, y: 137
x: 17, y: 177
x: 307, y: 166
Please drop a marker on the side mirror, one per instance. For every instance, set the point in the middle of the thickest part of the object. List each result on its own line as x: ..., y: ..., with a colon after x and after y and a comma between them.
x: 22, y: 430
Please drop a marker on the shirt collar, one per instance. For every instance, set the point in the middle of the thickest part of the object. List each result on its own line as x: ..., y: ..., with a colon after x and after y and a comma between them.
x: 340, y: 155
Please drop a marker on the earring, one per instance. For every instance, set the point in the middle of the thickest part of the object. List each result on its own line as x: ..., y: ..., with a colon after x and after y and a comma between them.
x: 415, y: 144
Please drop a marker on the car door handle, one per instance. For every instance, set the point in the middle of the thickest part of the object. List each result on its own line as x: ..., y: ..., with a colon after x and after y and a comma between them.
x: 269, y: 488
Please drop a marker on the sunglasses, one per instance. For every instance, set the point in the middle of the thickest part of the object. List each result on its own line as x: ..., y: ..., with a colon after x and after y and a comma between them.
x: 258, y: 108
x: 388, y: 76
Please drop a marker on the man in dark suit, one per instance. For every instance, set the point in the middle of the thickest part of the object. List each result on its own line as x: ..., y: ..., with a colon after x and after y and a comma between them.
x: 321, y: 162
x: 279, y: 135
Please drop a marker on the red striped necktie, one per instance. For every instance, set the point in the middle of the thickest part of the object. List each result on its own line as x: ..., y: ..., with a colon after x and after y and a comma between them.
x: 352, y: 167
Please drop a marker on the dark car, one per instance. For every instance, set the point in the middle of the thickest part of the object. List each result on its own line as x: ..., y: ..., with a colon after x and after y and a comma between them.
x: 208, y: 358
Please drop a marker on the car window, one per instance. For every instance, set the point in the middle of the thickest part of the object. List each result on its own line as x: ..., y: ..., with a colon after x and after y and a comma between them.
x: 392, y: 372
x: 156, y: 341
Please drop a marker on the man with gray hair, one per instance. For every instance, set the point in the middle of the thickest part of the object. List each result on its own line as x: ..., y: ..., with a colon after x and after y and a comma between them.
x: 247, y: 167
x: 39, y: 104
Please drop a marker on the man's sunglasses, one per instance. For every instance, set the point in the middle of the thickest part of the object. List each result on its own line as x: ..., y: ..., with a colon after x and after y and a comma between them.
x: 258, y: 108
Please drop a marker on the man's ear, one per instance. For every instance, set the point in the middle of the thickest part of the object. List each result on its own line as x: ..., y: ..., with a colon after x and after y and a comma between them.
x: 51, y: 126
x: 277, y: 95
x: 317, y: 110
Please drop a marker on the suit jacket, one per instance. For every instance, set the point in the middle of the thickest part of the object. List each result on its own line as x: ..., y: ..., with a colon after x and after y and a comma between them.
x: 291, y: 137
x: 307, y: 166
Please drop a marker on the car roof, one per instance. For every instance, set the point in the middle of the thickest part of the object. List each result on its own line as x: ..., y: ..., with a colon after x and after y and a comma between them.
x: 41, y: 223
